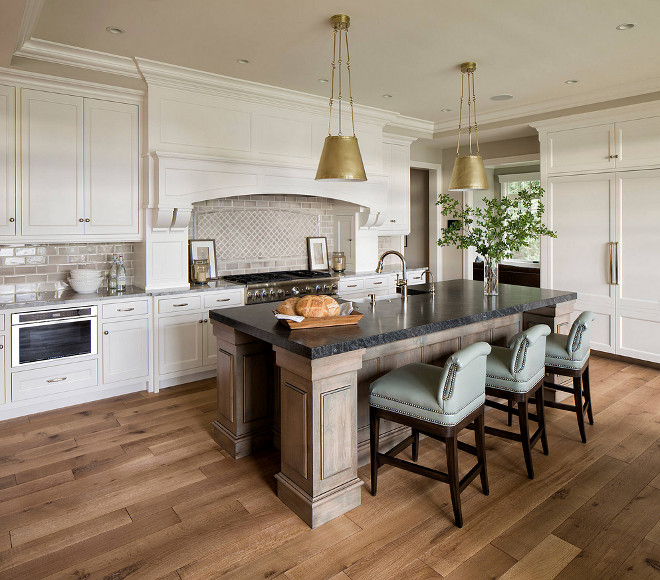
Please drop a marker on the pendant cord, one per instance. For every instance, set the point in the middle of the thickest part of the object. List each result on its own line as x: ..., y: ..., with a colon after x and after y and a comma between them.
x: 332, y: 86
x: 350, y: 90
x: 469, y: 75
x: 460, y: 117
x: 339, y: 83
x: 474, y: 105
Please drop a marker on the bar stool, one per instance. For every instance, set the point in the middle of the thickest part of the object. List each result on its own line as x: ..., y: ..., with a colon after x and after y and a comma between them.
x: 516, y: 374
x: 568, y: 355
x: 439, y: 403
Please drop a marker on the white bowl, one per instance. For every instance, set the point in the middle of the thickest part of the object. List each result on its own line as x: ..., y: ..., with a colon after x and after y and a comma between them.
x: 85, y: 286
x: 86, y: 274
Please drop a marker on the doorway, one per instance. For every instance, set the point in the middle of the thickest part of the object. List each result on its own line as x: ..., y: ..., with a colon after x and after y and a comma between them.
x: 417, y: 242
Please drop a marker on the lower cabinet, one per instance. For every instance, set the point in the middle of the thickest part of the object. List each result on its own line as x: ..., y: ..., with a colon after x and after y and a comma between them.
x: 180, y: 342
x: 55, y: 379
x: 125, y: 350
x: 3, y: 354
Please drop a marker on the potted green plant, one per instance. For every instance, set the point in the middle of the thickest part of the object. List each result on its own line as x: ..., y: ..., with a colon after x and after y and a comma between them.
x: 498, y: 230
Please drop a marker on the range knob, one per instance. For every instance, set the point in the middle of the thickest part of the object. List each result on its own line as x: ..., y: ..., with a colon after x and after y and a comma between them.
x: 319, y: 288
x: 272, y: 293
x: 280, y: 293
x: 249, y: 297
x: 326, y: 287
x: 308, y: 289
x: 334, y: 286
x: 295, y: 291
x: 258, y: 294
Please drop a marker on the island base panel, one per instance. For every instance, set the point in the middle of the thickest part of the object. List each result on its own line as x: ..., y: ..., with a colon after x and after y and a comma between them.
x: 242, y: 446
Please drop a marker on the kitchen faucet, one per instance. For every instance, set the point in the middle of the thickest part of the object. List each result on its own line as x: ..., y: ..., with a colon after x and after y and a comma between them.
x: 428, y: 276
x: 400, y: 283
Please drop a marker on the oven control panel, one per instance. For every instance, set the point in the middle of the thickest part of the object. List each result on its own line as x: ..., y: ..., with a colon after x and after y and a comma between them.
x: 276, y: 293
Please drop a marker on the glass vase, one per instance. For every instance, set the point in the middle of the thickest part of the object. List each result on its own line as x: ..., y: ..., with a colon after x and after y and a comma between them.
x: 491, y: 281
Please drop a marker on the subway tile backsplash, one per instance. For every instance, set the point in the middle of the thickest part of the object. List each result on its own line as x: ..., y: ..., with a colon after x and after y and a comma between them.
x: 26, y: 268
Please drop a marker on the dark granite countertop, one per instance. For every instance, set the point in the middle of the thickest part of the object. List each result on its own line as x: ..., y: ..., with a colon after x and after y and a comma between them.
x: 455, y: 303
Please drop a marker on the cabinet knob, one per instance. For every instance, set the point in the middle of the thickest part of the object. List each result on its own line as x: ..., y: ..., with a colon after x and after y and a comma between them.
x: 81, y: 220
x: 614, y: 156
x: 201, y: 322
x: 87, y: 220
x: 106, y: 332
x: 2, y: 346
x: 12, y: 220
x: 393, y: 221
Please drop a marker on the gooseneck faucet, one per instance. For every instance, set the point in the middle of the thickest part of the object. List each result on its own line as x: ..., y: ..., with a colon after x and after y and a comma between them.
x: 400, y: 283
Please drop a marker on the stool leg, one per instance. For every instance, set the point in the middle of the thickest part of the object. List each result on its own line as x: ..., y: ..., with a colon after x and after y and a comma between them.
x: 374, y: 424
x: 540, y: 413
x: 509, y: 420
x: 524, y: 435
x: 577, y: 395
x: 587, y: 394
x: 452, y: 470
x: 415, y: 445
x: 480, y: 444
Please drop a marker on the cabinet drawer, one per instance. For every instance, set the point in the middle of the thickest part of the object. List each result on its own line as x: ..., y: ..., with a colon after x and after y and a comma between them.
x: 223, y: 300
x: 52, y: 380
x: 376, y: 282
x: 125, y: 309
x: 415, y: 277
x: 180, y: 304
x: 351, y: 285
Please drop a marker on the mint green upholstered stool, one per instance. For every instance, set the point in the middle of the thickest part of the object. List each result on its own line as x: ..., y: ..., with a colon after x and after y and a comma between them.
x: 516, y: 374
x: 568, y: 355
x: 438, y: 402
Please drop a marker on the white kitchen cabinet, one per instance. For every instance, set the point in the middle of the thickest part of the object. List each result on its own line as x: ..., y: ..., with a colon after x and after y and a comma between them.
x: 7, y: 161
x: 125, y: 350
x: 628, y: 144
x: 53, y: 380
x: 396, y: 161
x: 180, y: 343
x: 52, y: 163
x: 3, y: 366
x: 111, y: 160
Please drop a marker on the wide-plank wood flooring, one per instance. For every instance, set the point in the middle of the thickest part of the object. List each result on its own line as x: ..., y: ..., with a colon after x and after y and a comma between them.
x: 135, y: 487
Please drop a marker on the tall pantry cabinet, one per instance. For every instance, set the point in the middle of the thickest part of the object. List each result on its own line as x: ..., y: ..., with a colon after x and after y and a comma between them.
x: 601, y: 173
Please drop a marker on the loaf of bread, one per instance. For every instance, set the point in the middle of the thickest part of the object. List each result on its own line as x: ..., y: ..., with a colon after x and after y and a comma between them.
x: 289, y: 306
x: 332, y: 304
x: 312, y: 307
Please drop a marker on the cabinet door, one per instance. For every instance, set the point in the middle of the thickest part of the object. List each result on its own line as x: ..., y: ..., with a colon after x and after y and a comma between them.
x: 52, y: 163
x: 125, y: 350
x: 180, y: 343
x: 210, y: 344
x: 582, y: 212
x: 583, y: 149
x: 638, y: 143
x: 398, y: 221
x: 111, y: 167
x: 3, y: 367
x: 7, y: 161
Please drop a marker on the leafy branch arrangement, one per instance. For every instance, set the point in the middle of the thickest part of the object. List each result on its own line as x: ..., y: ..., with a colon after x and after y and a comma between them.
x: 498, y: 230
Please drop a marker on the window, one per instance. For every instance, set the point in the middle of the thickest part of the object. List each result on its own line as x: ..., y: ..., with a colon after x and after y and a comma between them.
x: 510, y: 186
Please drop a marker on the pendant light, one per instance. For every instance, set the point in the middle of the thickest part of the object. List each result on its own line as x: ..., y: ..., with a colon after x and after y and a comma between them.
x: 469, y: 171
x: 340, y: 158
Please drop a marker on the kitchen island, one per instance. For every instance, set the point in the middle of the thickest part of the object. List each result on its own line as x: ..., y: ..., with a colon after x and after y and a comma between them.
x: 319, y: 415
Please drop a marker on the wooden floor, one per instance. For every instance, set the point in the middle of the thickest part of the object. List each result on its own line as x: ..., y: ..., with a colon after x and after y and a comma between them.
x: 134, y: 487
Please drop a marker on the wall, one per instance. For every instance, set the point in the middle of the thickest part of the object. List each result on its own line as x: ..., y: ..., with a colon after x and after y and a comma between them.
x: 30, y: 268
x: 417, y: 250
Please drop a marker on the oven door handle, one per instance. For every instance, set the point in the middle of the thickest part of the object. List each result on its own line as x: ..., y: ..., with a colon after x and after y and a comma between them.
x: 52, y: 322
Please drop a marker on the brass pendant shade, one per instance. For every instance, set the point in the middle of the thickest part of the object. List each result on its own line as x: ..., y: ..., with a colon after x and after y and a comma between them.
x: 469, y: 171
x: 340, y: 158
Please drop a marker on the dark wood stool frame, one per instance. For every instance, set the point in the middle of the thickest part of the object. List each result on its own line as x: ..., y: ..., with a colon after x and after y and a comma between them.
x: 580, y: 385
x: 449, y: 435
x: 533, y: 396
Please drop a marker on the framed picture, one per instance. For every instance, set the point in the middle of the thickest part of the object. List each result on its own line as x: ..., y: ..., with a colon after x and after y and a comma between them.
x: 317, y: 253
x: 203, y: 250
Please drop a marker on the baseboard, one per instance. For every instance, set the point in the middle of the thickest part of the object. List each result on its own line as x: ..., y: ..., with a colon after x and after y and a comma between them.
x: 626, y: 359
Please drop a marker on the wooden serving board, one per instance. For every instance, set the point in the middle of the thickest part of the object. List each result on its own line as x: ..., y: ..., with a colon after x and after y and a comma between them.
x: 353, y: 318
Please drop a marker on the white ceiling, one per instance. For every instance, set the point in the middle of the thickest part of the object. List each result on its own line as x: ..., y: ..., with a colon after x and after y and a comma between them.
x: 409, y: 49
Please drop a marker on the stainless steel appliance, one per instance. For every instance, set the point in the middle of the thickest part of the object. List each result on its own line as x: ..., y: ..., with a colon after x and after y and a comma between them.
x: 275, y: 286
x: 53, y: 334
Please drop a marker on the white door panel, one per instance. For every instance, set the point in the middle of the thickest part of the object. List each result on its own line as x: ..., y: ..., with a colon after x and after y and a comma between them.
x: 7, y: 160
x: 582, y: 149
x: 638, y: 143
x: 638, y: 334
x: 179, y: 343
x: 125, y: 350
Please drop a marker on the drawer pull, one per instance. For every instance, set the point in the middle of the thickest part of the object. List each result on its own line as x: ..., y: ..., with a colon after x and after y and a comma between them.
x: 375, y: 283
x: 351, y: 286
x: 223, y: 299
x: 179, y: 305
x: 417, y: 277
x: 58, y: 380
x: 125, y: 309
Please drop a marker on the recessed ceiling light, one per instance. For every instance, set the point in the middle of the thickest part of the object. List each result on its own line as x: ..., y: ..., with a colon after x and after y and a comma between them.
x: 115, y: 30
x: 445, y: 110
x: 387, y: 96
x: 571, y: 82
x: 626, y: 26
x: 502, y: 97
x: 323, y: 80
x: 242, y: 61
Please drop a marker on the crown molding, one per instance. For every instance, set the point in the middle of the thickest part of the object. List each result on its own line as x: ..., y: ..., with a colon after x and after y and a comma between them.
x: 177, y: 77
x: 425, y: 128
x: 83, y: 88
x: 29, y: 21
x: 557, y: 105
x: 64, y: 54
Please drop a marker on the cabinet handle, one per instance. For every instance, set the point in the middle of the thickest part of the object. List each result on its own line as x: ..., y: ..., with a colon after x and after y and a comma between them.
x: 12, y: 220
x: 223, y: 299
x: 616, y: 263
x: 179, y: 305
x: 417, y: 277
x: 106, y: 332
x: 376, y: 283
x: 81, y: 220
x: 58, y: 380
x: 392, y: 221
x: 125, y: 309
x: 351, y: 286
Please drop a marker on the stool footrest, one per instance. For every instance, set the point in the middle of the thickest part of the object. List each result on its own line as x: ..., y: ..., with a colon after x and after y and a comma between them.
x: 467, y: 448
x: 562, y: 406
x: 469, y: 476
x: 496, y: 405
x: 399, y: 447
x: 557, y: 387
x: 385, y: 459
x: 502, y: 433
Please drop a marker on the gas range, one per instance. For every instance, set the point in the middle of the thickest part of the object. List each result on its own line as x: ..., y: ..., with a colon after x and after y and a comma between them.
x: 275, y: 286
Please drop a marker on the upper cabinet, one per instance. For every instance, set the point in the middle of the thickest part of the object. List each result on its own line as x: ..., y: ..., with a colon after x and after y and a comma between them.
x: 79, y: 160
x: 396, y: 162
x: 629, y: 144
x: 8, y: 161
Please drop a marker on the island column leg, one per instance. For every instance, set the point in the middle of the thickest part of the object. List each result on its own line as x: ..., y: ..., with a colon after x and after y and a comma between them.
x: 244, y: 420
x: 318, y: 480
